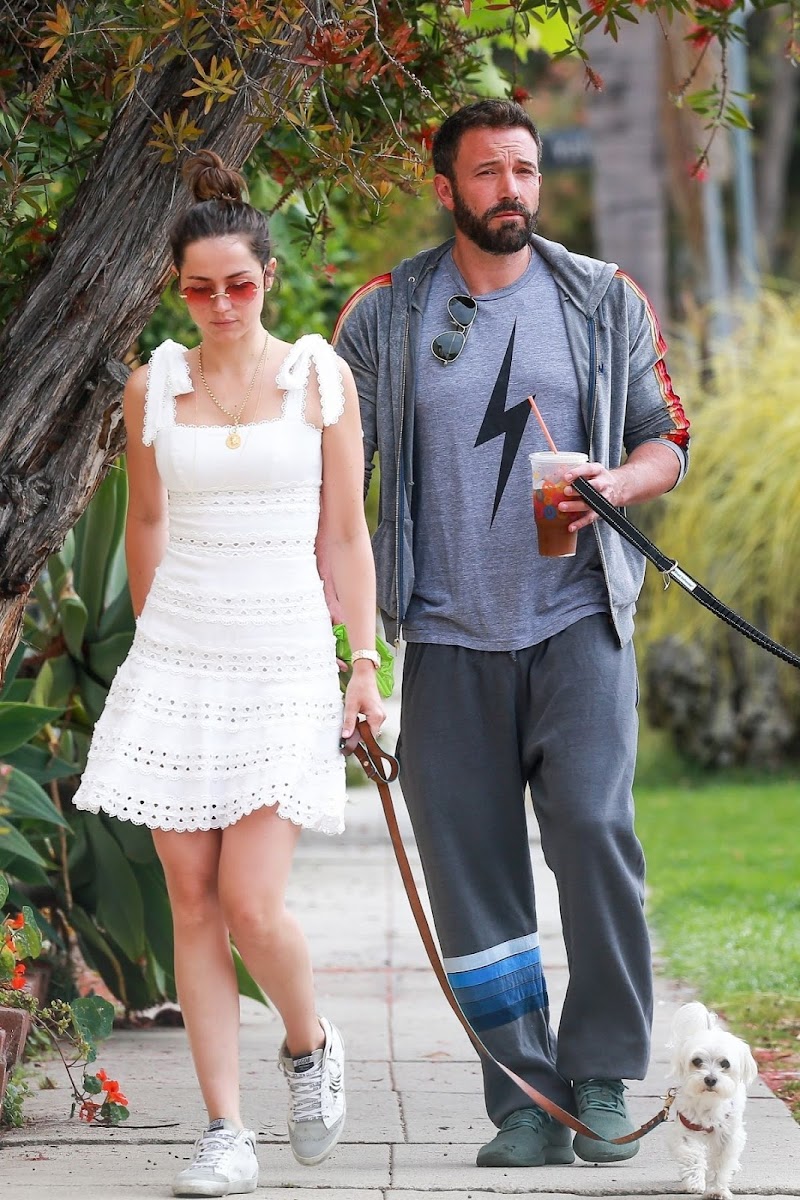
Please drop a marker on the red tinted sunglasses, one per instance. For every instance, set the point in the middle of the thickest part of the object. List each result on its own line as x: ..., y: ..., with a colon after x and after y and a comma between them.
x: 238, y: 293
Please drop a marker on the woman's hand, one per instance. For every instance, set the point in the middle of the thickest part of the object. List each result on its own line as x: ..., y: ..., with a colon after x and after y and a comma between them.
x: 362, y: 697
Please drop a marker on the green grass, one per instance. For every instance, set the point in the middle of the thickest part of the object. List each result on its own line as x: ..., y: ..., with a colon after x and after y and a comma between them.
x: 723, y: 856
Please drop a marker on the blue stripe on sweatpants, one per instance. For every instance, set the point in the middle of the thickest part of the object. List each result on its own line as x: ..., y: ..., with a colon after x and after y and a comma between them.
x: 494, y: 987
x: 495, y: 970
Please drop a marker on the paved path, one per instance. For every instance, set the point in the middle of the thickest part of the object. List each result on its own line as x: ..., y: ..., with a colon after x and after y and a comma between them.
x: 416, y: 1116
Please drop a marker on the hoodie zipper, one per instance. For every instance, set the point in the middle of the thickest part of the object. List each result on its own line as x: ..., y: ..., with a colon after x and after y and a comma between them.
x: 592, y: 329
x: 398, y: 561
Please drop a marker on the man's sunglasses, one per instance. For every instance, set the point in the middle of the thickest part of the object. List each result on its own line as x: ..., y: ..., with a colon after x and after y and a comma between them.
x: 238, y: 293
x: 447, y: 346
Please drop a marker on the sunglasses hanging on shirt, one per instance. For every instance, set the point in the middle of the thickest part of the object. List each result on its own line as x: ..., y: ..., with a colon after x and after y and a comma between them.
x: 447, y: 346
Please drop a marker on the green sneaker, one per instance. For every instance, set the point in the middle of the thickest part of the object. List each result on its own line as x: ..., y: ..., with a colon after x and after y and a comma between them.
x: 528, y: 1138
x: 601, y: 1106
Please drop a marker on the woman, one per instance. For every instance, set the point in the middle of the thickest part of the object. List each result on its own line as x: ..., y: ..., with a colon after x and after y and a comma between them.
x: 222, y: 729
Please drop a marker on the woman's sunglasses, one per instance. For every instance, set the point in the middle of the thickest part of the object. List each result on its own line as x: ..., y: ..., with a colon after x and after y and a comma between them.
x: 243, y: 292
x: 447, y: 346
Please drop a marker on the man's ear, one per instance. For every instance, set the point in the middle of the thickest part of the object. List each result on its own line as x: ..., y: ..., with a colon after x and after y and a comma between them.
x: 444, y: 191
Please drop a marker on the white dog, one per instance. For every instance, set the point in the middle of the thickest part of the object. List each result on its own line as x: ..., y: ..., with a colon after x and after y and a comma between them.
x: 713, y: 1070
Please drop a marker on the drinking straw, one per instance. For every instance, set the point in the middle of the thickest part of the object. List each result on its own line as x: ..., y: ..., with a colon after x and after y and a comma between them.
x: 540, y: 419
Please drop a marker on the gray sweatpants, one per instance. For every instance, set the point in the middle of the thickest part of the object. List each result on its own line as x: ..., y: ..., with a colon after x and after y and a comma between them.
x: 476, y: 727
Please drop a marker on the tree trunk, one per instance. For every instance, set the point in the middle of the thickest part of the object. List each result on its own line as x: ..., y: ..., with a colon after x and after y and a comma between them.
x: 628, y: 153
x: 60, y: 424
x: 776, y: 148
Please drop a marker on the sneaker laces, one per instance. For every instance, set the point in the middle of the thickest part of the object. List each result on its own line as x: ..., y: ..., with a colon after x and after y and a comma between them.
x: 213, y: 1146
x: 532, y: 1118
x: 607, y: 1095
x: 306, y: 1091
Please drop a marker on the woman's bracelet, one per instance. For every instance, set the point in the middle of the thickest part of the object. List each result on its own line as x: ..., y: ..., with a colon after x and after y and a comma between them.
x: 371, y: 655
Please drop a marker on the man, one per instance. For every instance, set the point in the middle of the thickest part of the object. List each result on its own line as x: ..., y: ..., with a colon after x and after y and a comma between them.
x: 519, y: 670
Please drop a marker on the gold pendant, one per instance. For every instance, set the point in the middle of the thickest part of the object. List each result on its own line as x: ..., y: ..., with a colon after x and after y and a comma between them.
x: 233, y: 441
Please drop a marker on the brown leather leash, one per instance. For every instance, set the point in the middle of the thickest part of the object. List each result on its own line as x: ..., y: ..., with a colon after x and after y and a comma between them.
x: 382, y: 768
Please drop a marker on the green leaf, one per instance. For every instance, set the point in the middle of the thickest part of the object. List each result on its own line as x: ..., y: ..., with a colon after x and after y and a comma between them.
x: 40, y: 764
x: 55, y: 682
x: 106, y: 657
x: 93, y: 1017
x: 19, y: 691
x: 158, y: 924
x: 118, y: 617
x: 99, y: 535
x: 13, y: 843
x: 93, y: 695
x: 136, y: 841
x: 92, y: 1085
x: 120, y: 910
x: 8, y: 962
x: 22, y: 871
x: 13, y: 666
x: 247, y: 985
x: 74, y: 615
x: 26, y: 798
x: 19, y: 723
x: 99, y: 953
x: 3, y: 889
x: 28, y: 939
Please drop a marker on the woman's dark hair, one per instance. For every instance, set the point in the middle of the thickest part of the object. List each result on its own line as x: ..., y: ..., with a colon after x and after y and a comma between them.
x: 220, y: 209
x: 484, y: 114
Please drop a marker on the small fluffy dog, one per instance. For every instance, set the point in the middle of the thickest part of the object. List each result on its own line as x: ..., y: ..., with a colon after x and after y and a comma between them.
x: 713, y: 1070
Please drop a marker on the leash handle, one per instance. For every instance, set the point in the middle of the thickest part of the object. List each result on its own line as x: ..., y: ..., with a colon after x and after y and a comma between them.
x: 670, y: 570
x: 383, y: 769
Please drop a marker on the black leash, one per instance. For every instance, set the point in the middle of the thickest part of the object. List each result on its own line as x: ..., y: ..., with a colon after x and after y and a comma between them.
x: 670, y: 570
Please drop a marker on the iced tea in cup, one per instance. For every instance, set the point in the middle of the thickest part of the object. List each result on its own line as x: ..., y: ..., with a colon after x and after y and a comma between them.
x: 555, y: 540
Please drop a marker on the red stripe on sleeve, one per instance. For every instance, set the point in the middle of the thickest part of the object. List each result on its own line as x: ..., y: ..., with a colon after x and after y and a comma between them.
x: 672, y: 401
x: 357, y: 297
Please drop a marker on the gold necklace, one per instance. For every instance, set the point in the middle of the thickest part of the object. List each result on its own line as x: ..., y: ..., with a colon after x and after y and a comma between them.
x: 234, y: 440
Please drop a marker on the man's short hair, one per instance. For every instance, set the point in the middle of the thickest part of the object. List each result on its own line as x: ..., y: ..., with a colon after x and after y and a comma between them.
x: 484, y: 114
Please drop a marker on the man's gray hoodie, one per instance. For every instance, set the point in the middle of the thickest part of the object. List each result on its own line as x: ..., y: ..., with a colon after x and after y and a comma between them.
x: 626, y: 399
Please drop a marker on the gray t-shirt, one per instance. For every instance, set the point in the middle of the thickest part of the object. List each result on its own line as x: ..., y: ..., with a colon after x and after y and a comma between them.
x: 479, y: 580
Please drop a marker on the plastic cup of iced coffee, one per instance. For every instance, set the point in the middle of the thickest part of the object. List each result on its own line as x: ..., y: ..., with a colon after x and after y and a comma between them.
x: 552, y: 532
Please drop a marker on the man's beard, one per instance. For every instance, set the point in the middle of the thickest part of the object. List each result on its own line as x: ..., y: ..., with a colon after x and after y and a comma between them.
x: 508, y: 237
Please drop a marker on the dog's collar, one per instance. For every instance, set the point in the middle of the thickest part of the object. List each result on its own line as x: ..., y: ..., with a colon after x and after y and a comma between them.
x: 691, y: 1125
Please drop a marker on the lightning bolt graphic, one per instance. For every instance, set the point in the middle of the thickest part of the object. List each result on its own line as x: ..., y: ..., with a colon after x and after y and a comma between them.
x: 497, y: 421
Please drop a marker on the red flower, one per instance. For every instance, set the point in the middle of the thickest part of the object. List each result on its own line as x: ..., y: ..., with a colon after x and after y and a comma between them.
x: 598, y: 7
x: 19, y: 977
x: 424, y: 136
x: 17, y: 922
x: 520, y: 94
x: 101, y: 1075
x: 700, y: 36
x: 109, y: 1085
x: 88, y: 1111
x: 593, y: 79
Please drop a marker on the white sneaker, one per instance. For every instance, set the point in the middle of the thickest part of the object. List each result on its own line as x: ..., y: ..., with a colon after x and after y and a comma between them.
x: 224, y: 1163
x: 316, y: 1106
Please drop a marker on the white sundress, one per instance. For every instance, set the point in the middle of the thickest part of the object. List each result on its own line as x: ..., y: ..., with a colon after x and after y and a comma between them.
x: 229, y: 698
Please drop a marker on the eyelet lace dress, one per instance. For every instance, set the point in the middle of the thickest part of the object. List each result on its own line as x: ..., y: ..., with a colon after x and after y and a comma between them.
x: 229, y: 699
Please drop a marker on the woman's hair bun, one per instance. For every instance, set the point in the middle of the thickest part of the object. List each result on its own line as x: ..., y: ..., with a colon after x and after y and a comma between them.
x: 207, y: 177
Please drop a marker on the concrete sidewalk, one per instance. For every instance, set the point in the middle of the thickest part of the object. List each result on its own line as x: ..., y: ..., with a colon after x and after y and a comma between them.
x: 416, y: 1115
